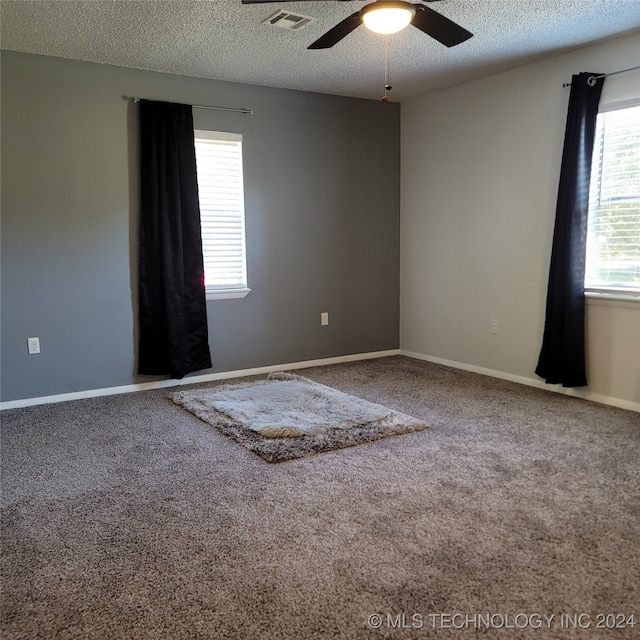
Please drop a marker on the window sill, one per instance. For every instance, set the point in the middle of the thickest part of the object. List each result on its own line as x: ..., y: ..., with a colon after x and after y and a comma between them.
x: 608, y: 298
x: 612, y: 294
x: 227, y: 294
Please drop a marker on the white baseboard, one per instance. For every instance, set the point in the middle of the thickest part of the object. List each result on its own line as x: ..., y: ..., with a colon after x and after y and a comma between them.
x: 240, y: 373
x: 208, y: 377
x: 530, y: 382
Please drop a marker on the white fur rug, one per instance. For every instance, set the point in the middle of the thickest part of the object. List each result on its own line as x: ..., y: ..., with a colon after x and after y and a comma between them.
x: 288, y: 416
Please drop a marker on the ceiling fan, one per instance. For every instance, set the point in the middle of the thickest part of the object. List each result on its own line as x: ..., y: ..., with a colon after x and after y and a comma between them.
x: 390, y: 16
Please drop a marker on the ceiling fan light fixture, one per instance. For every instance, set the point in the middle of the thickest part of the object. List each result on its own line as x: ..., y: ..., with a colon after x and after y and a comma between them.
x: 387, y: 16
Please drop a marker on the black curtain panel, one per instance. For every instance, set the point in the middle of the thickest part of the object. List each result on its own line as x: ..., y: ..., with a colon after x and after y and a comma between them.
x: 172, y: 307
x: 562, y: 356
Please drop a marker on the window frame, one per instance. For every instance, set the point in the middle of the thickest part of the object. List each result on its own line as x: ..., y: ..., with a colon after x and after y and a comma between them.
x: 216, y: 292
x: 603, y: 292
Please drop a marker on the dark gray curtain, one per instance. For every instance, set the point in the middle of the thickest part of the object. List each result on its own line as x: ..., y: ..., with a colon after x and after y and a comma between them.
x: 562, y: 357
x: 172, y: 306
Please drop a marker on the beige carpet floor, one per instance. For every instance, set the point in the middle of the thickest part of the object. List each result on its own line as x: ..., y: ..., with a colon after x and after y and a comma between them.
x: 127, y: 517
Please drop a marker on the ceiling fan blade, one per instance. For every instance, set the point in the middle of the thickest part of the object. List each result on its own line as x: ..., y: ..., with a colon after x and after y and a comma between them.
x: 437, y: 26
x: 338, y: 32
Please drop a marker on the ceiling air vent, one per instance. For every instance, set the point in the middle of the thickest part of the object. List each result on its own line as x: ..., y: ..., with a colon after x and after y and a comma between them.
x: 288, y: 20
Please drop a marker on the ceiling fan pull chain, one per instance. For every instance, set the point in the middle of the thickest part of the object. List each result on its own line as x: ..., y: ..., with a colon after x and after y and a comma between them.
x: 387, y: 86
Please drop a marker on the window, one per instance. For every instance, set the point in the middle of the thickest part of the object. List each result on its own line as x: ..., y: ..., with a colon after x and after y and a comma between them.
x: 613, y: 234
x: 221, y: 191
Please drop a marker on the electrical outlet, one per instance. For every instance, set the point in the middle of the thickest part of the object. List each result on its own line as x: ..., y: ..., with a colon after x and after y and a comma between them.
x: 33, y: 345
x: 324, y: 318
x: 494, y: 325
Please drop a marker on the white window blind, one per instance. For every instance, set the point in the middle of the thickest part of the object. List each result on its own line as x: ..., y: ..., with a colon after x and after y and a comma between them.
x: 613, y: 235
x: 221, y: 192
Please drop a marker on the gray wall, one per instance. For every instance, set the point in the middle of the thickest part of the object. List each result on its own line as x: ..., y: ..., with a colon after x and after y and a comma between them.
x: 322, y: 207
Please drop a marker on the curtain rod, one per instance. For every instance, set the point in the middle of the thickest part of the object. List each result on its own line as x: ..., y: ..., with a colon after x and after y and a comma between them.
x: 592, y: 79
x: 202, y: 106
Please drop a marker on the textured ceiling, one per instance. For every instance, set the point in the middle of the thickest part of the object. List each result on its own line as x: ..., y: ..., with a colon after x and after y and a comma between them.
x: 225, y: 40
